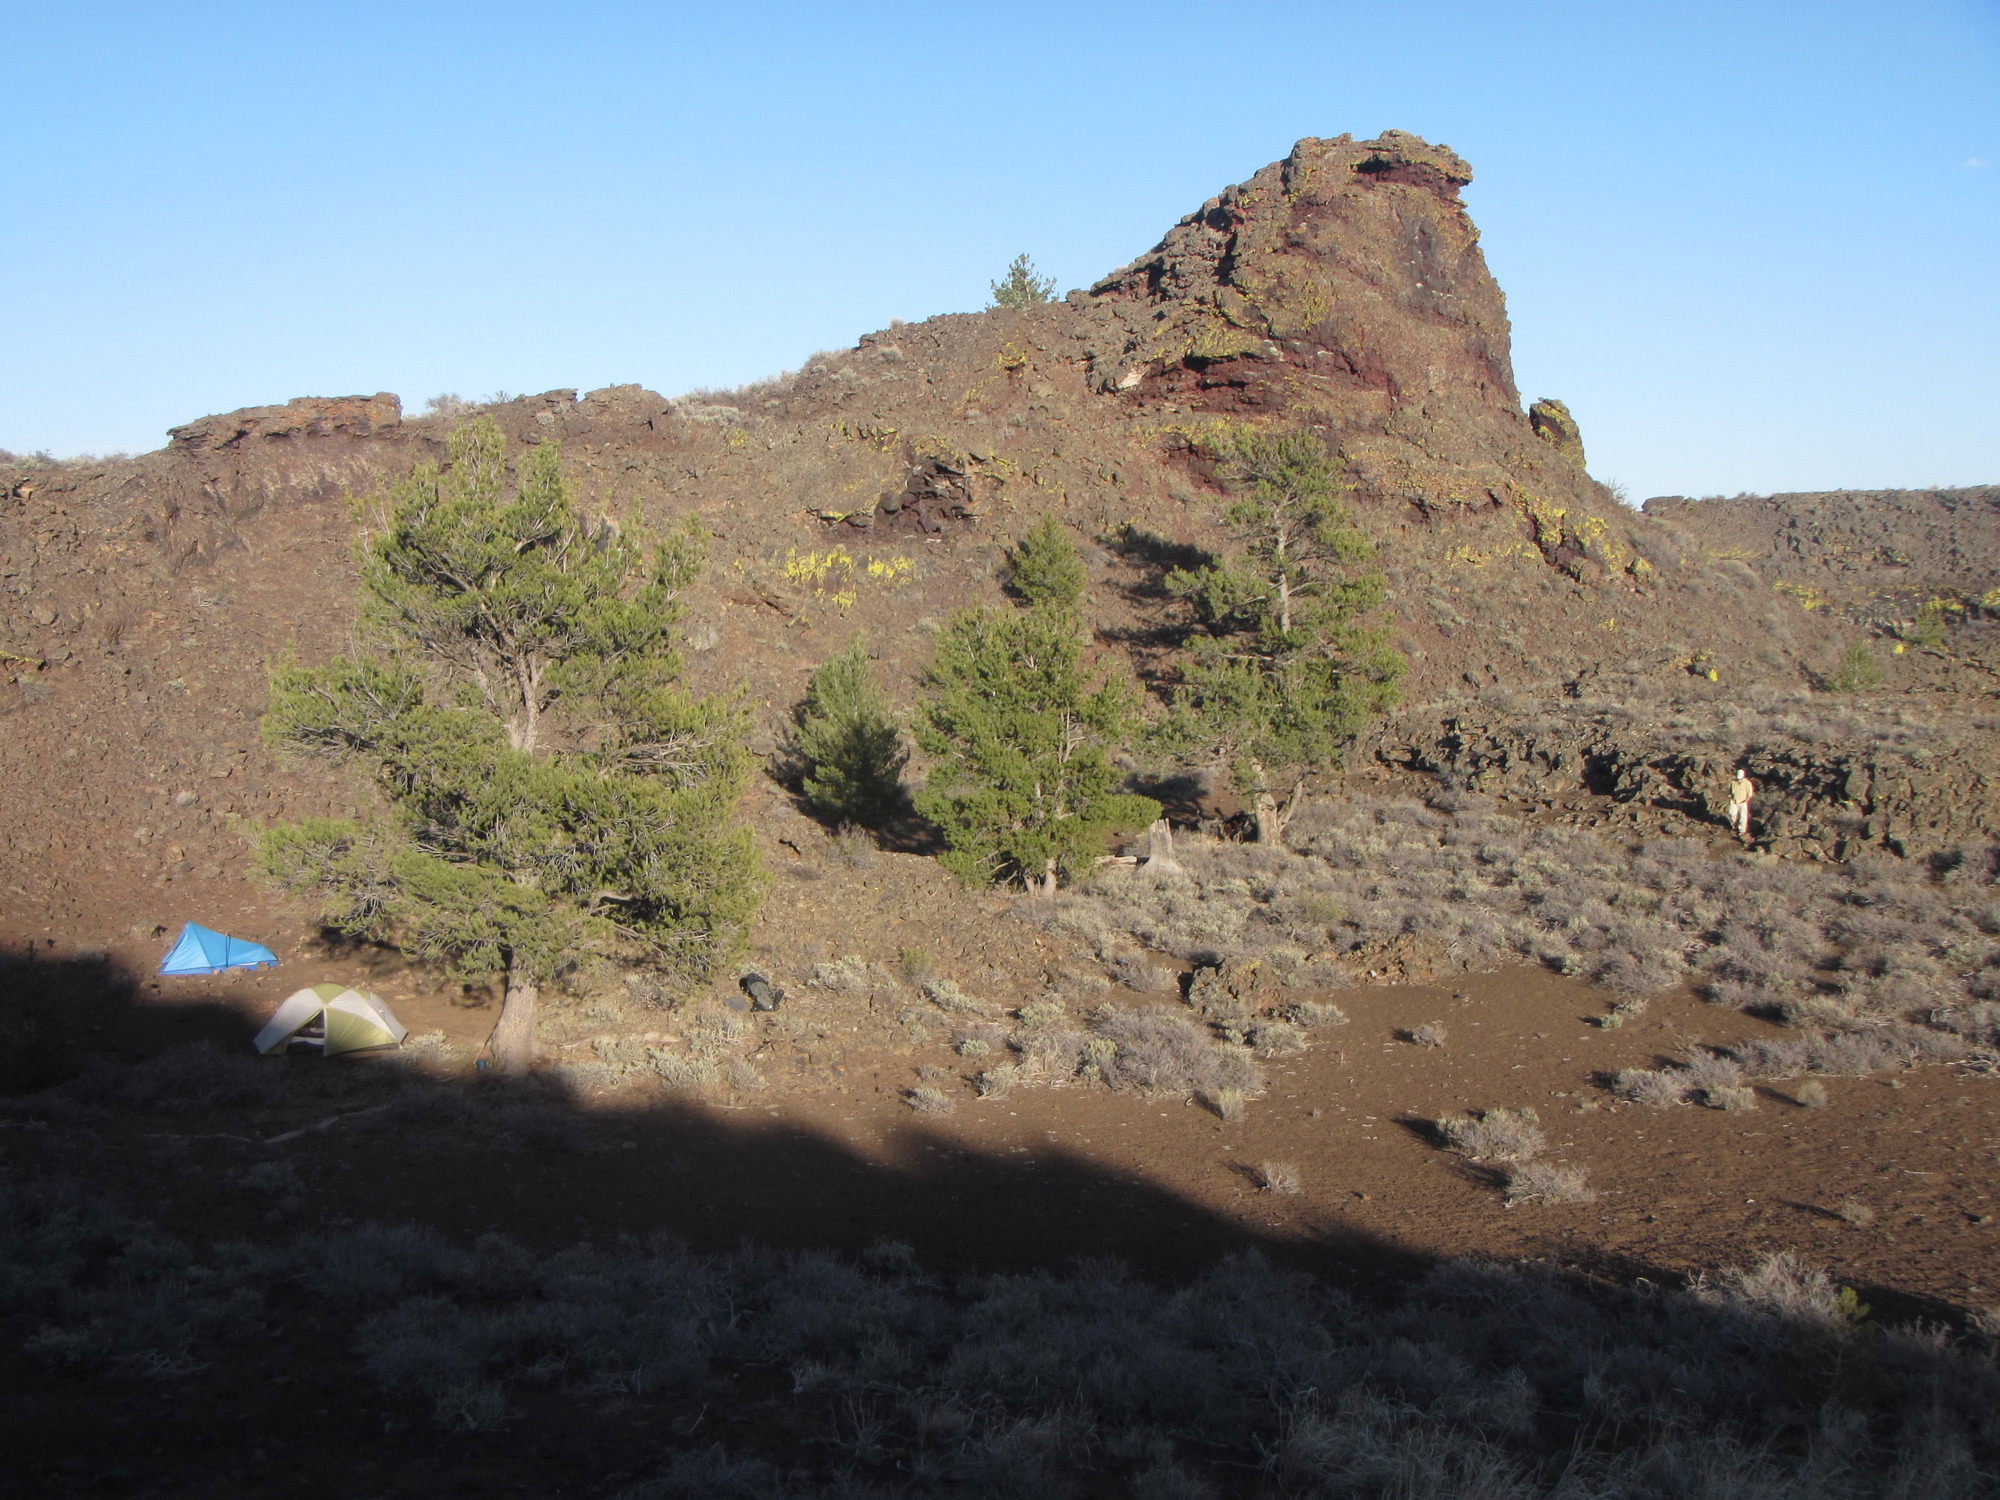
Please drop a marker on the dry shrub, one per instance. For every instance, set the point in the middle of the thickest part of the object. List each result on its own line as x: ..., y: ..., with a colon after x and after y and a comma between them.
x: 1853, y: 1054
x: 1978, y: 1023
x: 1043, y: 1012
x: 1547, y: 1182
x: 1640, y: 971
x: 278, y: 1181
x: 1654, y: 1090
x: 1621, y: 1012
x: 1138, y: 972
x: 1985, y: 1323
x: 1229, y: 1105
x: 930, y: 1101
x: 1735, y: 1100
x: 684, y: 1074
x: 1494, y: 1135
x: 428, y: 1049
x: 1477, y: 1379
x: 1049, y: 1056
x: 714, y: 1030
x: 855, y: 848
x: 995, y: 1083
x: 621, y: 1056
x: 1710, y: 1073
x: 586, y: 1076
x: 979, y: 1041
x: 1849, y: 1054
x: 1314, y: 1015
x: 1876, y: 943
x: 1811, y: 1094
x: 1278, y: 1177
x: 1163, y: 1051
x: 952, y: 1000
x: 1773, y: 1057
x: 846, y: 975
x: 1273, y: 1037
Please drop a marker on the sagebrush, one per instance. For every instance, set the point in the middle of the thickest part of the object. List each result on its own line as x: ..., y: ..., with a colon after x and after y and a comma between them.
x: 1475, y: 1380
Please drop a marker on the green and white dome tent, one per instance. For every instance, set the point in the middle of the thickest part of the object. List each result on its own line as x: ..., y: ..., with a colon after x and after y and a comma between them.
x: 335, y: 1016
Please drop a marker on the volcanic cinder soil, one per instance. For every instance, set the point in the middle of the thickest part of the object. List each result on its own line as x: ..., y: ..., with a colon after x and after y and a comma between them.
x: 223, y: 1275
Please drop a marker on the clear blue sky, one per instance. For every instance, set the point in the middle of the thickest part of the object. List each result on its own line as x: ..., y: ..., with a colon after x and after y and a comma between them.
x: 1754, y: 246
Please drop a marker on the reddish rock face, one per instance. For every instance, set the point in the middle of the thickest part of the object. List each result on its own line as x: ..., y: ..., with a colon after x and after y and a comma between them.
x: 1342, y: 288
x: 1352, y: 266
x: 220, y: 469
x: 305, y: 417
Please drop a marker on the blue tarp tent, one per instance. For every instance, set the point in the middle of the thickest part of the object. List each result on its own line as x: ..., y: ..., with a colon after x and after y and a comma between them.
x: 200, y: 951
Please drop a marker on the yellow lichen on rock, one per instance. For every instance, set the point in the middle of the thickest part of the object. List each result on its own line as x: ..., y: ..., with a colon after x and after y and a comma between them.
x: 1553, y: 424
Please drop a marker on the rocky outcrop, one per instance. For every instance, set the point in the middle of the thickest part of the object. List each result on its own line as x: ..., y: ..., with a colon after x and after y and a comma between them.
x: 1876, y: 555
x: 1350, y: 267
x: 1553, y: 424
x: 1343, y: 288
x: 187, y: 500
x: 300, y: 421
x: 1832, y: 782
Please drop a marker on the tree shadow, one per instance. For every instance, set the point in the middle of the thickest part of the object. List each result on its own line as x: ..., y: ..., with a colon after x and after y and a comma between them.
x: 907, y: 833
x: 1151, y: 557
x: 1421, y: 1129
x: 912, y: 835
x: 1155, y: 556
x: 1184, y: 796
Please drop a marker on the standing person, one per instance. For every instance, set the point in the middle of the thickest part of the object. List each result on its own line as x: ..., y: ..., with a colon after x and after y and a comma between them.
x: 1741, y: 790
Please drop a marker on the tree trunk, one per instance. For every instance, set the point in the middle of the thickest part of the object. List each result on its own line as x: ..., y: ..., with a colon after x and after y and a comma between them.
x: 1273, y: 819
x: 1160, y: 846
x: 1270, y: 820
x: 513, y: 1039
x: 1045, y: 885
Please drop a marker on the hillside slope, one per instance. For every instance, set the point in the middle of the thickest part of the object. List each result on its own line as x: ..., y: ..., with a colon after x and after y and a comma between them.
x: 1341, y: 289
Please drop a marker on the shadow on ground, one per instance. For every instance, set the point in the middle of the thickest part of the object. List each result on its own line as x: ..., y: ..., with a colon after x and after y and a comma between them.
x: 291, y: 1388
x: 375, y: 1138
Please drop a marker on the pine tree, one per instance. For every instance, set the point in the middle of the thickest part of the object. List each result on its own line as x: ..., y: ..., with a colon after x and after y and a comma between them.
x: 1858, y: 671
x: 850, y: 743
x: 1023, y: 786
x: 554, y: 795
x: 1022, y: 287
x: 1047, y: 572
x: 1284, y: 669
